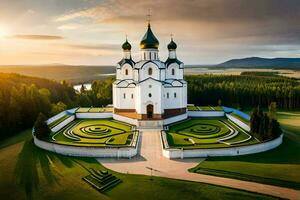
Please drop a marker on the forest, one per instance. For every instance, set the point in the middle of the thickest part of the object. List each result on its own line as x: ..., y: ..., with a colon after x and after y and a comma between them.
x: 22, y: 98
x: 244, y: 91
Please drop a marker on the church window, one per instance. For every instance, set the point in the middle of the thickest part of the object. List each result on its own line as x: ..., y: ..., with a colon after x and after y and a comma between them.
x: 124, y: 96
x: 150, y: 86
x: 126, y: 71
x: 173, y: 72
x: 144, y: 55
x: 168, y: 95
x: 150, y: 95
x: 175, y: 95
x: 150, y: 71
x: 150, y: 55
x: 132, y: 96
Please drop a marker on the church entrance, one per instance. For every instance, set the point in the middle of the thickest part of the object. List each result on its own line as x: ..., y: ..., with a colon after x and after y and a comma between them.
x: 150, y: 111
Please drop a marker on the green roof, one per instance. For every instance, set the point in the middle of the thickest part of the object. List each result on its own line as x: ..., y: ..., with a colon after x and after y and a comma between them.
x: 172, y: 45
x: 149, y: 41
x: 126, y: 46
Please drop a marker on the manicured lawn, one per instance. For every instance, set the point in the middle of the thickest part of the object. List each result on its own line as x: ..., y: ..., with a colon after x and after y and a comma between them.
x: 205, y: 108
x: 192, y: 108
x: 27, y: 171
x: 101, y: 132
x: 280, y: 166
x: 207, y: 133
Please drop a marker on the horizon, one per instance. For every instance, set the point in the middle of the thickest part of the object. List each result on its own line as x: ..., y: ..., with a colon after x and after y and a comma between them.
x: 91, y: 33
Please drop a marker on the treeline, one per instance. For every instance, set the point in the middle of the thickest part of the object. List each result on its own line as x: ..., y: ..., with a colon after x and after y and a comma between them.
x: 243, y: 91
x: 99, y: 95
x: 22, y: 98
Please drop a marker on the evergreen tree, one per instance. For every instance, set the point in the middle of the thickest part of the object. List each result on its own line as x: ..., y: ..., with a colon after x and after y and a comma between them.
x: 41, y: 128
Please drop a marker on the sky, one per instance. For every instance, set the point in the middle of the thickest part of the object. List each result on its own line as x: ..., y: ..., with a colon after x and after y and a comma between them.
x: 91, y: 32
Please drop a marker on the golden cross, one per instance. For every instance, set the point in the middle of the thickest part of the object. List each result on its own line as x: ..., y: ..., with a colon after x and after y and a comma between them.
x: 149, y: 16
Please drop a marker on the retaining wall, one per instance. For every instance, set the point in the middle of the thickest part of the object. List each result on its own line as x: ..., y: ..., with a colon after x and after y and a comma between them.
x: 88, y: 115
x: 63, y: 123
x: 230, y: 151
x: 125, y: 119
x: 238, y: 122
x: 97, y: 152
x: 175, y: 119
x: 206, y: 113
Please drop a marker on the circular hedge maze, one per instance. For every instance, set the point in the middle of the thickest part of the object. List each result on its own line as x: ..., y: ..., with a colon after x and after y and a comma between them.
x: 207, y: 133
x: 102, y: 132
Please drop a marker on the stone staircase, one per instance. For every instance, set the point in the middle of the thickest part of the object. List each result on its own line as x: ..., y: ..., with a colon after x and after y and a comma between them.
x: 150, y: 124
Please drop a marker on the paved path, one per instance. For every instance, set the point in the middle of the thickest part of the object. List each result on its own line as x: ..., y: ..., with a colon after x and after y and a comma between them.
x: 151, y: 156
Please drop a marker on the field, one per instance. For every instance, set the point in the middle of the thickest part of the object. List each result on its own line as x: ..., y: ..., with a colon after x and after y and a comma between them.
x: 207, y: 133
x: 280, y: 166
x: 97, y: 133
x: 27, y: 171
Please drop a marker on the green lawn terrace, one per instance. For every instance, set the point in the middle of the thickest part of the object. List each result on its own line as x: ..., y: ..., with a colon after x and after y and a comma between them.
x: 215, y: 132
x: 95, y: 133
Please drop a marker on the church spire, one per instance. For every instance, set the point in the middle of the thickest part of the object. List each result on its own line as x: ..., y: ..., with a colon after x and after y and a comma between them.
x: 172, y: 46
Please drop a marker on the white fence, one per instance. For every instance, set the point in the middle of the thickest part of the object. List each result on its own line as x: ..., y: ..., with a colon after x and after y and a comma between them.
x: 97, y: 152
x: 238, y: 122
x: 206, y: 113
x: 230, y: 151
x: 91, y: 115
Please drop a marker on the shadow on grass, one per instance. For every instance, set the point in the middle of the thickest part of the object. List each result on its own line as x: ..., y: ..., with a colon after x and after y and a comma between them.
x: 34, y: 163
x: 284, y: 154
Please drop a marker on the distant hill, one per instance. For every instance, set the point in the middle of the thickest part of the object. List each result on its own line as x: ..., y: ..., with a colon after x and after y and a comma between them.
x: 290, y: 63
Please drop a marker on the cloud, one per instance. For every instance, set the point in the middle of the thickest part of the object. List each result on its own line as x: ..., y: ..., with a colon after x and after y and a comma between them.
x: 94, y: 46
x: 37, y: 37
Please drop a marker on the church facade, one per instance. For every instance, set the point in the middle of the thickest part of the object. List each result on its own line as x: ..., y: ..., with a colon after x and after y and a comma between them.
x: 149, y: 89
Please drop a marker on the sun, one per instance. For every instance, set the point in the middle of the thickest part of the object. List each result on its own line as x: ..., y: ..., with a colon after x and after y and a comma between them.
x: 3, y: 32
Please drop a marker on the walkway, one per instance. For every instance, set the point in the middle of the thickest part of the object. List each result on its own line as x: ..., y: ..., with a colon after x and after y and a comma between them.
x: 151, y: 157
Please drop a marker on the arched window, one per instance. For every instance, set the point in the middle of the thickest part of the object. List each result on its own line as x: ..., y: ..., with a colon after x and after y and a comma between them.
x: 175, y: 95
x: 144, y: 56
x: 150, y: 55
x: 132, y: 96
x: 124, y: 96
x: 150, y: 71
x: 150, y: 95
x: 126, y: 71
x: 168, y: 95
x: 173, y: 72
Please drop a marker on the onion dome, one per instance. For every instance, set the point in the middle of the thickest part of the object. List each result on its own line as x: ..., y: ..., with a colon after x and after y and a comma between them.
x: 126, y: 46
x: 172, y: 45
x: 149, y: 41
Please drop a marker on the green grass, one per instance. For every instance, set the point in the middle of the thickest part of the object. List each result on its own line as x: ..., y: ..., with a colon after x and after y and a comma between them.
x: 97, y: 133
x: 280, y: 166
x: 205, y: 108
x: 58, y: 121
x: 27, y: 171
x: 206, y: 133
x: 192, y: 108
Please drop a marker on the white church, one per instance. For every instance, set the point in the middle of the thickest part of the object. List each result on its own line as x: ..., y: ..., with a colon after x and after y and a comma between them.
x: 149, y: 89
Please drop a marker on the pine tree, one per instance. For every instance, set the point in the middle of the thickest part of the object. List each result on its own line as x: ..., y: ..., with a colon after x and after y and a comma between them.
x: 41, y: 128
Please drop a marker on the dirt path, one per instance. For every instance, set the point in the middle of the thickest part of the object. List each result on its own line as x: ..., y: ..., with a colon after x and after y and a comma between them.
x: 151, y: 157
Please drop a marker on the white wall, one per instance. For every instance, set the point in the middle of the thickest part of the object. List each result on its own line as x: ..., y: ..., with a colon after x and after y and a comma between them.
x: 238, y: 122
x: 178, y: 72
x: 206, y: 113
x: 63, y: 123
x: 175, y: 119
x: 126, y: 152
x: 94, y: 115
x: 230, y: 151
x: 125, y: 119
x: 143, y: 98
